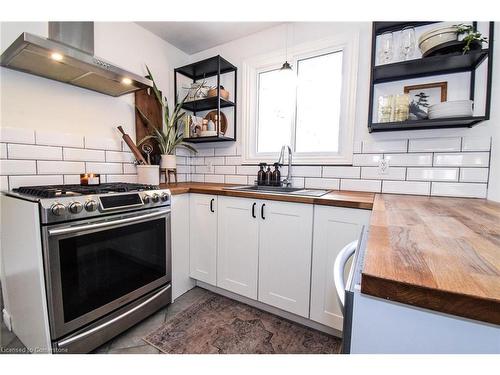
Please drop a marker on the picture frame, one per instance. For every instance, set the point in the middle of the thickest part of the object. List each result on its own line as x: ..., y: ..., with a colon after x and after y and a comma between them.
x: 424, y: 95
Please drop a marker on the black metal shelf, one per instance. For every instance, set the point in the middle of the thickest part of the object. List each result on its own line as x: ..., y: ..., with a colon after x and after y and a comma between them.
x: 220, y: 138
x: 206, y: 104
x: 455, y: 122
x: 213, y: 66
x: 206, y: 68
x: 428, y: 66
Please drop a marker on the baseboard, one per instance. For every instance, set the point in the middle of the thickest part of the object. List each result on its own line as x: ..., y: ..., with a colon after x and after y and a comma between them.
x: 271, y: 309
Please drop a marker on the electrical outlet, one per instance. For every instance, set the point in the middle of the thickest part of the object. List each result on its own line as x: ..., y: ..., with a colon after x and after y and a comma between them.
x: 383, y: 166
x: 210, y: 165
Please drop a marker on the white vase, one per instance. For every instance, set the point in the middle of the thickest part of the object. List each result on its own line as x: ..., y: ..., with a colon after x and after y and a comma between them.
x: 148, y: 174
x: 168, y: 162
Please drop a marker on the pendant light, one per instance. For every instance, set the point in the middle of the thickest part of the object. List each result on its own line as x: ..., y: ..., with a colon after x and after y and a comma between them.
x: 286, y: 67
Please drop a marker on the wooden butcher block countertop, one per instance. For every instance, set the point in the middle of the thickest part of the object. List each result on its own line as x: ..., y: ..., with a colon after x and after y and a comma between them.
x: 438, y: 253
x: 351, y: 199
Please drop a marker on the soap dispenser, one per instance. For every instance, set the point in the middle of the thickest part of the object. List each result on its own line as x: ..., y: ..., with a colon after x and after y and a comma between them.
x: 276, y: 176
x: 261, y: 175
x: 269, y: 175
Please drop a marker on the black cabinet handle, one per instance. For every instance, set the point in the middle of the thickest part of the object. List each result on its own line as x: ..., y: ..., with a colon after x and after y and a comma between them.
x: 262, y: 212
x: 253, y: 210
x: 212, y: 205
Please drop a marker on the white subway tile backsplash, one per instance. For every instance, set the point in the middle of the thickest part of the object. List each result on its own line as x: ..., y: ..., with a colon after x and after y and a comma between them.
x: 398, y: 145
x: 476, y: 143
x: 457, y: 189
x: 356, y: 148
x: 198, y: 177
x: 366, y: 160
x: 17, y: 167
x: 4, y: 183
x: 121, y: 178
x: 247, y: 170
x: 306, y: 171
x: 392, y: 173
x: 183, y: 177
x: 219, y: 160
x: 180, y: 151
x: 361, y: 185
x: 406, y: 187
x: 187, y: 169
x: 251, y: 180
x: 432, y: 174
x: 197, y: 161
x: 129, y: 169
x: 322, y: 183
x: 227, y: 151
x: 104, y: 168
x: 464, y: 159
x: 119, y: 157
x: 75, y: 179
x: 342, y: 172
x: 203, y: 169
x: 17, y: 135
x: 298, y: 182
x: 434, y: 144
x: 238, y: 180
x: 214, y: 178
x: 182, y: 160
x: 32, y: 152
x: 3, y: 151
x: 474, y: 174
x: 60, y: 167
x: 234, y: 160
x: 80, y: 154
x: 205, y: 151
x: 224, y: 169
x: 409, y: 160
x: 35, y: 180
x: 56, y: 138
x: 101, y: 143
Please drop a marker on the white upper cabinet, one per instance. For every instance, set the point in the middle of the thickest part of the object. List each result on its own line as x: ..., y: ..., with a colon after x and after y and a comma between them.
x: 285, y: 255
x: 238, y: 245
x: 203, y: 237
x: 334, y: 227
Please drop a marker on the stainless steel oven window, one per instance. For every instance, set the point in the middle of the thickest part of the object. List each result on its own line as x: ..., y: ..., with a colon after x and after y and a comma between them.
x: 95, y: 267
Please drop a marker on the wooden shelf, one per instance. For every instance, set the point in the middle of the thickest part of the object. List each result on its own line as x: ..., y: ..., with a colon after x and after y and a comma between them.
x: 455, y: 122
x: 220, y: 138
x: 206, y: 104
x: 428, y: 66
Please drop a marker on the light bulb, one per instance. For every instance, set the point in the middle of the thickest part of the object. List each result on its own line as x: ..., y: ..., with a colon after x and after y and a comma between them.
x: 126, y: 81
x: 56, y: 56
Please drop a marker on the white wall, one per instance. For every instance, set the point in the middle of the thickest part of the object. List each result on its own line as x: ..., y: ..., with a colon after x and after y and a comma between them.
x: 32, y: 102
x: 274, y: 39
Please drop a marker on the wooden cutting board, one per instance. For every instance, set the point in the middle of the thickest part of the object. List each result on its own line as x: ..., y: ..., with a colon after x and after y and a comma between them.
x: 149, y: 105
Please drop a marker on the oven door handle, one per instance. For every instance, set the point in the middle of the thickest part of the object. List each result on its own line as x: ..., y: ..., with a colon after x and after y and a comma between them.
x: 111, y: 223
x: 114, y: 320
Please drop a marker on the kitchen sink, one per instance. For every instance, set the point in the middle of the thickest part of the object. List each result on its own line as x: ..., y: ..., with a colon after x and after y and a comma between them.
x: 280, y: 190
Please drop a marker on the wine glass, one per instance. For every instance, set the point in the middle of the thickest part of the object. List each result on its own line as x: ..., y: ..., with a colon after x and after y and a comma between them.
x: 386, y: 47
x: 407, y: 42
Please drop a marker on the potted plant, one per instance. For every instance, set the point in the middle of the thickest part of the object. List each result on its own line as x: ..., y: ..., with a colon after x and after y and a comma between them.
x: 168, y: 135
x: 473, y: 39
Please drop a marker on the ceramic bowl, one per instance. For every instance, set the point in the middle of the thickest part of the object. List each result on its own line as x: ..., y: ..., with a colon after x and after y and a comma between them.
x: 437, y: 37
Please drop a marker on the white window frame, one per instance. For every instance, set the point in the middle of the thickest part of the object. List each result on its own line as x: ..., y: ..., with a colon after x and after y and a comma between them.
x: 349, y: 45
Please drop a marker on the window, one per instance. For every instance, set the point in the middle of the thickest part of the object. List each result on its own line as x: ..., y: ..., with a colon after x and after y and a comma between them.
x: 310, y: 108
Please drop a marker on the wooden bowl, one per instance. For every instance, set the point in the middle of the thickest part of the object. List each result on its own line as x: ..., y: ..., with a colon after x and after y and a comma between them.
x: 224, y: 94
x: 223, y: 120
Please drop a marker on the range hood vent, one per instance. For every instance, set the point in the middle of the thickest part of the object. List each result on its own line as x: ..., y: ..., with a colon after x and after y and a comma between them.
x: 68, y: 56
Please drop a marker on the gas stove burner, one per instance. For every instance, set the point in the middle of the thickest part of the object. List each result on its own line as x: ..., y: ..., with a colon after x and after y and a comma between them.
x: 56, y: 191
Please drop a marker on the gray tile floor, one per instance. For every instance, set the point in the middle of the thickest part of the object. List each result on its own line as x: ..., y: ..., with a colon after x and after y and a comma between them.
x: 130, y: 341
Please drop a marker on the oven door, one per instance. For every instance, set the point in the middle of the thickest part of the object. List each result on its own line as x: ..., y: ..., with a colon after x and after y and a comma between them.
x: 94, y: 267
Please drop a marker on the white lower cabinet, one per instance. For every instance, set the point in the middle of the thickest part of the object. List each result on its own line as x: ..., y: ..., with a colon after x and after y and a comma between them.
x: 285, y: 255
x: 238, y: 246
x: 181, y: 282
x: 203, y: 237
x: 334, y: 227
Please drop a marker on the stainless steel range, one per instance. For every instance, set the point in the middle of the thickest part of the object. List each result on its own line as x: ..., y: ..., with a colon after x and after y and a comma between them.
x: 105, y: 259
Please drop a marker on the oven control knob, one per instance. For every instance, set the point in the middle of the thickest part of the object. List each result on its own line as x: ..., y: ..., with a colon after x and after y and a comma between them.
x: 75, y: 207
x: 156, y: 198
x: 146, y: 199
x: 90, y: 205
x: 164, y: 197
x: 57, y: 209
